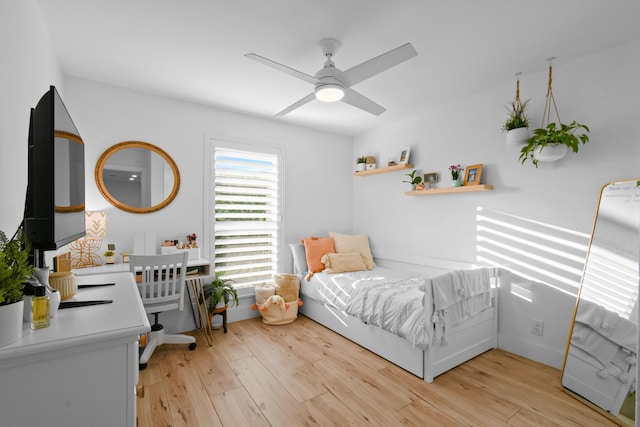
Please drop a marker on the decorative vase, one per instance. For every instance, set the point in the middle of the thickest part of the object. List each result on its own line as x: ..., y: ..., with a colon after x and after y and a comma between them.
x: 11, y: 319
x: 455, y: 182
x: 518, y: 137
x: 550, y: 152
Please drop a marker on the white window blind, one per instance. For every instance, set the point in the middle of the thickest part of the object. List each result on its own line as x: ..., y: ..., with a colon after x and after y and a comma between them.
x: 246, y: 214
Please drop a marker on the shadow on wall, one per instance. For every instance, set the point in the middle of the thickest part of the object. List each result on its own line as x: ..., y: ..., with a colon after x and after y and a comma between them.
x: 531, y: 249
x: 543, y: 264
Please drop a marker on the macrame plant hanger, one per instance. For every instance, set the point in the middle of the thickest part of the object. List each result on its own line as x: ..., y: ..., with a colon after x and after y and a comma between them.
x: 546, y: 115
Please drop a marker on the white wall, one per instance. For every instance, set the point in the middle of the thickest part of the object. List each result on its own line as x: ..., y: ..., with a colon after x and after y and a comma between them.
x: 28, y: 68
x: 316, y: 164
x: 551, y: 207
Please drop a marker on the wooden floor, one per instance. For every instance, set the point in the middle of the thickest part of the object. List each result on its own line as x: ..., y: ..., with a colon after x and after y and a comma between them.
x: 303, y: 374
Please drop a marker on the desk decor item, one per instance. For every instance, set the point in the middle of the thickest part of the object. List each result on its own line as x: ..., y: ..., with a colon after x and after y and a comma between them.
x: 64, y: 282
x: 84, y: 250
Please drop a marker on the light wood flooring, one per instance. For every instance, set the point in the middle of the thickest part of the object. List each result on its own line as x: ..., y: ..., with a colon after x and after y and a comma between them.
x: 303, y: 374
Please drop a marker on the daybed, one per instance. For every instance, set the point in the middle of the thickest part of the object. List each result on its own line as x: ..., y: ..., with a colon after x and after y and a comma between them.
x: 378, y: 307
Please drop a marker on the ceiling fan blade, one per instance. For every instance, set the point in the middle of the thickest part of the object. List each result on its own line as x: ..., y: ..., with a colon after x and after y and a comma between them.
x: 297, y: 104
x: 379, y: 64
x: 283, y: 68
x: 360, y: 101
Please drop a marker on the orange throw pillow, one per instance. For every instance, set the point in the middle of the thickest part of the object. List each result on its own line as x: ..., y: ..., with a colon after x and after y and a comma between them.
x: 315, y: 248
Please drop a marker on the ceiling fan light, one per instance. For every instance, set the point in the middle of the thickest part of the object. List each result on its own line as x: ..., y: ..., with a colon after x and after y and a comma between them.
x: 330, y: 92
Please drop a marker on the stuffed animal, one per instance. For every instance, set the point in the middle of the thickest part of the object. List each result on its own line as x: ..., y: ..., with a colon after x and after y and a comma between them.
x: 277, y: 312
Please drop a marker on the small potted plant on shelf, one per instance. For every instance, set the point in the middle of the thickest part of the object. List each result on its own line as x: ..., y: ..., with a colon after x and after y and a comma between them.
x: 15, y: 269
x: 361, y: 163
x: 110, y: 257
x: 517, y: 124
x: 415, y: 180
x: 455, y: 170
x: 552, y: 142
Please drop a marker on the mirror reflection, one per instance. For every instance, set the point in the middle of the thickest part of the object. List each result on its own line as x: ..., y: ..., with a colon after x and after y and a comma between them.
x: 137, y: 177
x: 600, y: 363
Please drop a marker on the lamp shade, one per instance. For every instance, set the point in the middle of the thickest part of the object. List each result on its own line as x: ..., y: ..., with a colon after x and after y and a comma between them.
x: 96, y: 224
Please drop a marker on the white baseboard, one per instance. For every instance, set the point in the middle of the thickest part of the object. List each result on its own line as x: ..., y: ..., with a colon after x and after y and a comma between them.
x: 546, y: 355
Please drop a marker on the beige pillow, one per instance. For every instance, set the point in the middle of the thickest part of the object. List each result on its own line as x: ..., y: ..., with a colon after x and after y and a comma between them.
x: 345, y: 243
x: 340, y: 263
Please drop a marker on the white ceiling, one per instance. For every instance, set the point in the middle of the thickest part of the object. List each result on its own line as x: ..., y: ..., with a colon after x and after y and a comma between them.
x: 194, y: 49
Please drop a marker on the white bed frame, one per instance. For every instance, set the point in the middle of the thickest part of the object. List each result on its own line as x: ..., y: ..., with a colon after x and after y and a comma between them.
x: 465, y: 340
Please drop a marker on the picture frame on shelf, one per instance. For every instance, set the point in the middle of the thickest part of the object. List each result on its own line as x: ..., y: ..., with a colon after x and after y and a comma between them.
x: 430, y: 179
x: 472, y: 174
x: 404, y: 156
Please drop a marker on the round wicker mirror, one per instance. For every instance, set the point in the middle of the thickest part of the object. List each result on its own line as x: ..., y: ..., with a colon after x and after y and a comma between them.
x: 137, y: 177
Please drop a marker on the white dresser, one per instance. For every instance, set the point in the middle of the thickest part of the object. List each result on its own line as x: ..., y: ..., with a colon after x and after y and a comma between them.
x: 82, y: 370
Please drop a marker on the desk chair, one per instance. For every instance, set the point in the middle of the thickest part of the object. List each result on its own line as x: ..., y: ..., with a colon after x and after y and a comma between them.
x: 161, y: 288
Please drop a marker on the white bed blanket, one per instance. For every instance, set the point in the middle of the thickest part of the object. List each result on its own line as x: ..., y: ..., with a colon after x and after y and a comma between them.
x: 389, y: 299
x: 457, y: 296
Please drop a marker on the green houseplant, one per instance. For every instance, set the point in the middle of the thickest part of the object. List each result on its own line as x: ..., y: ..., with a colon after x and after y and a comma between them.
x: 361, y: 162
x: 15, y: 269
x: 414, y: 179
x: 517, y: 116
x: 219, y: 290
x: 554, y: 136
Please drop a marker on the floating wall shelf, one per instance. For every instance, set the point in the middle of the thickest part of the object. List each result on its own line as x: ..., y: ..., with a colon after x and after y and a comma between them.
x: 385, y: 169
x: 448, y: 190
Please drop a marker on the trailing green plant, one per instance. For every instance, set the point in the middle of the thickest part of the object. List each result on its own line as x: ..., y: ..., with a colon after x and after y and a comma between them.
x: 14, y: 267
x: 414, y: 179
x: 517, y: 115
x: 361, y: 159
x: 219, y: 290
x: 109, y: 253
x: 554, y: 135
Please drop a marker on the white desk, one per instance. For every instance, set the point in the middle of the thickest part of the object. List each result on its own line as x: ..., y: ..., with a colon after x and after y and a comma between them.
x: 82, y: 370
x: 201, y: 264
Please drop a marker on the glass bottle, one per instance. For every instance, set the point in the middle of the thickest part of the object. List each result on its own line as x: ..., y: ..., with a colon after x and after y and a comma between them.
x: 40, y: 308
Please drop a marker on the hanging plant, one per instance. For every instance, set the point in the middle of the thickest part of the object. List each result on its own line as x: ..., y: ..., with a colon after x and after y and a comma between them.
x: 517, y: 124
x: 551, y: 141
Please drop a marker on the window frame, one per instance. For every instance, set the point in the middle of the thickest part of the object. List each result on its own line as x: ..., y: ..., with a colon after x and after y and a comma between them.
x: 212, y: 142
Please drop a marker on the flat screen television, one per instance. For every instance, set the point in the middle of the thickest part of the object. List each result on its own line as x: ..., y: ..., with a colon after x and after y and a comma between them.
x: 55, y: 204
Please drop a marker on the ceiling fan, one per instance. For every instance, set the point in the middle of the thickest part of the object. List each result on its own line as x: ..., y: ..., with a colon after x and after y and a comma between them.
x: 331, y: 84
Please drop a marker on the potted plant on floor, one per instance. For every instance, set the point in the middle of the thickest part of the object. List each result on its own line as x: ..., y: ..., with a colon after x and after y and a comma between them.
x: 219, y: 292
x: 552, y: 142
x: 361, y: 163
x: 217, y: 295
x: 14, y: 271
x: 414, y: 180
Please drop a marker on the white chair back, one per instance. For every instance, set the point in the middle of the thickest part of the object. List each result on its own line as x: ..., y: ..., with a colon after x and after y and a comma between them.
x: 162, y: 284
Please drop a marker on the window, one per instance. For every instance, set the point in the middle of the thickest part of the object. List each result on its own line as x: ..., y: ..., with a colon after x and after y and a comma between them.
x: 246, y: 217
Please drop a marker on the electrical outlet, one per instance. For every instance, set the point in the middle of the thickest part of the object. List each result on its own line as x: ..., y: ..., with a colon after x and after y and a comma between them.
x: 537, y: 327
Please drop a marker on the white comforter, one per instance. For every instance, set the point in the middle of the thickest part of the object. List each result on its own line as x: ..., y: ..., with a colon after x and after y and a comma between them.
x: 389, y: 299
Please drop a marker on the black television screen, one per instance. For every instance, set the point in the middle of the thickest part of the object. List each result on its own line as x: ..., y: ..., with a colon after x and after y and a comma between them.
x: 55, y: 205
